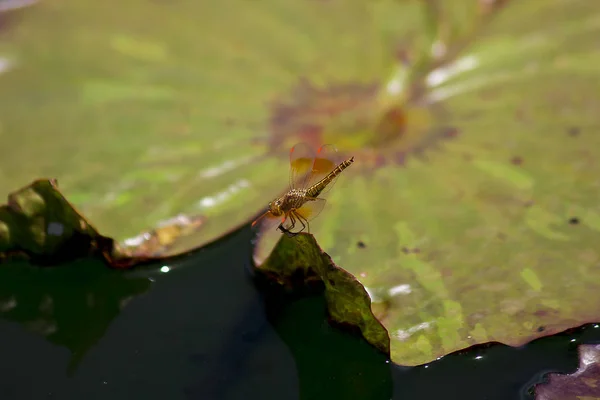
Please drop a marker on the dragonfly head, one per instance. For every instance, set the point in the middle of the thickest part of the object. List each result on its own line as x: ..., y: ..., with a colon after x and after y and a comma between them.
x: 275, y: 207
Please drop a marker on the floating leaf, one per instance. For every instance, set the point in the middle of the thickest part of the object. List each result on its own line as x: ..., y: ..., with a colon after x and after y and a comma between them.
x: 143, y: 122
x: 582, y: 384
x: 472, y: 124
x: 471, y: 214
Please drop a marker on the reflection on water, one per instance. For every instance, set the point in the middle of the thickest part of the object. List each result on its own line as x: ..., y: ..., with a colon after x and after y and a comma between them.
x: 70, y: 305
x: 199, y: 332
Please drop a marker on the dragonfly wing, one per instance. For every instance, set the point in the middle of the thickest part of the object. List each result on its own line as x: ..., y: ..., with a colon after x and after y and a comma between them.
x: 297, y: 220
x: 326, y: 159
x: 302, y: 158
x: 311, y: 208
x: 267, y: 221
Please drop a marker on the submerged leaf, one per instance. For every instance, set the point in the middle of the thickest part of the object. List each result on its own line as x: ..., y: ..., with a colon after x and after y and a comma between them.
x: 39, y: 223
x: 583, y: 384
x: 298, y: 263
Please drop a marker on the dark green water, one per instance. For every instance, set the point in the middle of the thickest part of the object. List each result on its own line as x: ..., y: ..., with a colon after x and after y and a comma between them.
x: 202, y: 331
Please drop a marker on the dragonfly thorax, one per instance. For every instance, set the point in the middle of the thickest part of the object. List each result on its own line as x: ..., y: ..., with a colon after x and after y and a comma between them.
x: 292, y: 200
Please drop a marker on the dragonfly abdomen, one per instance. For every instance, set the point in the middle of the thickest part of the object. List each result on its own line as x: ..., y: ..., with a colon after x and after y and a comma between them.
x: 316, y: 189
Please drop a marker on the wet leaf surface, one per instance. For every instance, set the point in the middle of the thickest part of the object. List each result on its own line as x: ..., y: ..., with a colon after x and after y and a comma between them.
x: 583, y: 384
x: 476, y: 220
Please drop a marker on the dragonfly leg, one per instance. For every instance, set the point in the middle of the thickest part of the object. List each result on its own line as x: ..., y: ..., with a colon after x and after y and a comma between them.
x: 288, y: 231
x: 302, y: 221
x: 283, y: 230
x: 293, y: 223
x: 294, y: 217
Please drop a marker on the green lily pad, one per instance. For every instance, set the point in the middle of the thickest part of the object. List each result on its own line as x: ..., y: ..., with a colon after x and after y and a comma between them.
x: 143, y: 121
x: 297, y: 264
x: 471, y: 212
x: 582, y: 384
x: 477, y: 219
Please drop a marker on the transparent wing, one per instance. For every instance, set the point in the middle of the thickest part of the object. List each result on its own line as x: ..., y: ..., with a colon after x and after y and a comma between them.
x: 298, y: 219
x: 326, y: 159
x: 311, y: 208
x: 267, y: 221
x: 302, y: 158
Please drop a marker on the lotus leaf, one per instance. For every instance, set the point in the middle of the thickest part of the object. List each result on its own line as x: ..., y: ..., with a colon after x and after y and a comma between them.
x: 479, y: 220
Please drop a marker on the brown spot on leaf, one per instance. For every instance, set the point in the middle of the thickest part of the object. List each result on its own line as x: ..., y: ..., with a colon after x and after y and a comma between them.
x: 361, y: 244
x: 451, y: 132
x: 391, y: 126
x: 516, y: 161
x: 574, y: 131
x: 400, y: 158
x: 574, y: 221
x: 522, y: 115
x: 447, y: 272
x: 380, y: 161
x: 305, y: 112
x: 544, y: 313
x: 491, y: 6
x: 381, y: 133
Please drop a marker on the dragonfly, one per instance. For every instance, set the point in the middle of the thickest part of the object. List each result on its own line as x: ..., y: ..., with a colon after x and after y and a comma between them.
x: 312, y: 175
